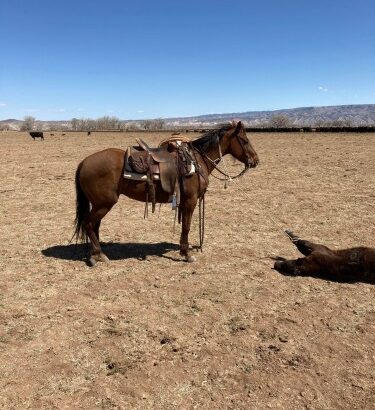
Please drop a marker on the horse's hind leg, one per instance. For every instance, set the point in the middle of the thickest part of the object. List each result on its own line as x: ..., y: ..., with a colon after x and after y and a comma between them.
x: 92, y: 228
x: 96, y: 229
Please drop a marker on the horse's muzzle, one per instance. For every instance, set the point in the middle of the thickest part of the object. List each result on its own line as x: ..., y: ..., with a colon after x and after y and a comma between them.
x: 252, y: 162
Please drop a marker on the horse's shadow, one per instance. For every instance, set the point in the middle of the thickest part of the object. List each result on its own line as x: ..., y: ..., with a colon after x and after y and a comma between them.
x: 114, y: 251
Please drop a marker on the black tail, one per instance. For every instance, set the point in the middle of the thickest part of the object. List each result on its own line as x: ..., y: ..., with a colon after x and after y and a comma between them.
x: 82, y: 209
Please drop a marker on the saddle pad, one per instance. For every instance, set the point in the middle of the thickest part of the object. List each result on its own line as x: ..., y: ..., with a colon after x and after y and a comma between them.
x: 139, y: 177
x: 168, y: 182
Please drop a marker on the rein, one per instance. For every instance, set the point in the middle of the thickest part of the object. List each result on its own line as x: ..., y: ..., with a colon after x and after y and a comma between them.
x: 201, y: 221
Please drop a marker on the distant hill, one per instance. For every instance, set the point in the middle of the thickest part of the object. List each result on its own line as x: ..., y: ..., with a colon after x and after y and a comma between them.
x: 350, y: 115
x: 354, y: 115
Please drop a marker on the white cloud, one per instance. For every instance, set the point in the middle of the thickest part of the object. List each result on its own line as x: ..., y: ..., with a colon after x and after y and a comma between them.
x: 324, y: 89
x: 140, y: 111
x: 109, y: 111
x: 2, y: 104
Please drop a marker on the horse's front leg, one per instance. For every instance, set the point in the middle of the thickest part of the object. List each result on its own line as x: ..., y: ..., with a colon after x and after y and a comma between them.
x: 187, y: 208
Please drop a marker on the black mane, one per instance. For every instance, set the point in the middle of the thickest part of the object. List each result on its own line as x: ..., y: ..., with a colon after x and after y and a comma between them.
x: 210, y: 138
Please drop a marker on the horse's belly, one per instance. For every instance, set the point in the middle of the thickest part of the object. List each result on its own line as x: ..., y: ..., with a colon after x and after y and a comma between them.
x: 138, y: 190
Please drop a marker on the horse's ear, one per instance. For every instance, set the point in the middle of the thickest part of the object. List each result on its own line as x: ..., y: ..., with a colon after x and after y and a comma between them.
x: 238, y: 127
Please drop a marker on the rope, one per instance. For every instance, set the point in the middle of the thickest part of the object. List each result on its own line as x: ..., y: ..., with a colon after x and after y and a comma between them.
x: 201, y: 221
x: 282, y: 230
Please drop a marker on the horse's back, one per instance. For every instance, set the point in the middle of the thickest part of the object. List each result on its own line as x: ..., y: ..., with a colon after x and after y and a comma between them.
x: 104, y: 161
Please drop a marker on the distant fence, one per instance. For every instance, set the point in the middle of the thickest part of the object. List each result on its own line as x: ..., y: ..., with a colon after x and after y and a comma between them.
x: 272, y: 129
x: 312, y: 129
x: 360, y: 129
x: 266, y: 129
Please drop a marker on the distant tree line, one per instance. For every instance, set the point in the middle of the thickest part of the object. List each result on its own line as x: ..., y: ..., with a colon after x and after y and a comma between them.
x: 283, y: 121
x: 114, y: 123
x: 102, y: 123
x: 108, y: 123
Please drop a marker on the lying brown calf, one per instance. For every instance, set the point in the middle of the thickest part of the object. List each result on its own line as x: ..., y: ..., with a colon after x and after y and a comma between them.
x: 354, y: 264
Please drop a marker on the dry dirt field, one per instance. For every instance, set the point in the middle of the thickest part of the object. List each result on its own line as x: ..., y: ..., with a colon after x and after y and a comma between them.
x: 149, y: 331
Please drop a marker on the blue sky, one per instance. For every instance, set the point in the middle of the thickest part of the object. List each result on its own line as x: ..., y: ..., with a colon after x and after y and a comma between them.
x: 149, y: 59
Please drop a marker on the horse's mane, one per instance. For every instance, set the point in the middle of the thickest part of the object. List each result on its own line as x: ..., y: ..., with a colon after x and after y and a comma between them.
x: 209, y: 139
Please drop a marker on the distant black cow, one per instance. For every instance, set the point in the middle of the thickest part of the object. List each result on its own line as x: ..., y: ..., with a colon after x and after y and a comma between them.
x: 88, y: 132
x: 36, y: 134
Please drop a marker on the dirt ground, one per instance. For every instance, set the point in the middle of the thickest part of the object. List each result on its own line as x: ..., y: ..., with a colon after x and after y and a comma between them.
x: 149, y: 331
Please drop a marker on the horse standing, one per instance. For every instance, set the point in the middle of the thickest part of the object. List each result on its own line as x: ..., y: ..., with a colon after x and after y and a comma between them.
x: 100, y: 182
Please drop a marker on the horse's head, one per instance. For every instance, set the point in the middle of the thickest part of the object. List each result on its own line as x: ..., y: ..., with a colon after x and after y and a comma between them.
x: 240, y: 146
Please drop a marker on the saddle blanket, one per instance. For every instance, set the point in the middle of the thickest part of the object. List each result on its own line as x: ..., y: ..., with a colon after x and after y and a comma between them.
x: 139, y: 177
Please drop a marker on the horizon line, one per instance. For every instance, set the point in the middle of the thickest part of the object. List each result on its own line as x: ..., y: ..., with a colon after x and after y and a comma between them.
x: 201, y: 115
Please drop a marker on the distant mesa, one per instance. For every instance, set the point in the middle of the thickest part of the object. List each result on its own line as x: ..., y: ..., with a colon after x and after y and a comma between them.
x: 337, y: 115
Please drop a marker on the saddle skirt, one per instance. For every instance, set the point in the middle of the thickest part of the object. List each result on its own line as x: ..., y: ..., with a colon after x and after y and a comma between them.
x: 140, y: 165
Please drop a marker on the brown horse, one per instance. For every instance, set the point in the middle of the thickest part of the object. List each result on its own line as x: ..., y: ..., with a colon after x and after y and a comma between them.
x: 100, y: 182
x: 345, y: 265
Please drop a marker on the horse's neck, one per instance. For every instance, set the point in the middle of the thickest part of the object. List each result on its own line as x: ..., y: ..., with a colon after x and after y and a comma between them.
x: 215, y: 154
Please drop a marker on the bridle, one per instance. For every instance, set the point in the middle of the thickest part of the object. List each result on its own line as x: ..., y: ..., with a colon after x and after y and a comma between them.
x: 227, y: 177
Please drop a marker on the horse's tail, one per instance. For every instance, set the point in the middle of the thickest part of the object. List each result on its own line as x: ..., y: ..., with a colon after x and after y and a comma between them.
x: 82, y: 209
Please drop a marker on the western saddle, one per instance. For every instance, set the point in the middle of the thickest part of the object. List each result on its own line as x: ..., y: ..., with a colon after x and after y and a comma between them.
x: 168, y: 163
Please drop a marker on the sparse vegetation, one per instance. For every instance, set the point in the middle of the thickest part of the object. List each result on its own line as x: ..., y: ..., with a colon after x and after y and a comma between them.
x: 153, y: 125
x: 28, y: 123
x: 280, y: 121
x: 105, y: 123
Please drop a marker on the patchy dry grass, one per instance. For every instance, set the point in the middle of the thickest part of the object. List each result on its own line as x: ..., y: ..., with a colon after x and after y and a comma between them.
x: 147, y: 331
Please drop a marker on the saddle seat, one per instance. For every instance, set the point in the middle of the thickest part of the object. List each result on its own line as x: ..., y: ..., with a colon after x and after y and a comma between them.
x: 158, y: 154
x: 166, y: 163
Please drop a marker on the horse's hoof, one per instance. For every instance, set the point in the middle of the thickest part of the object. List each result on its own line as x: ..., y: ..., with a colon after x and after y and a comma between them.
x: 191, y: 259
x: 97, y: 258
x: 104, y: 258
x: 92, y: 261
